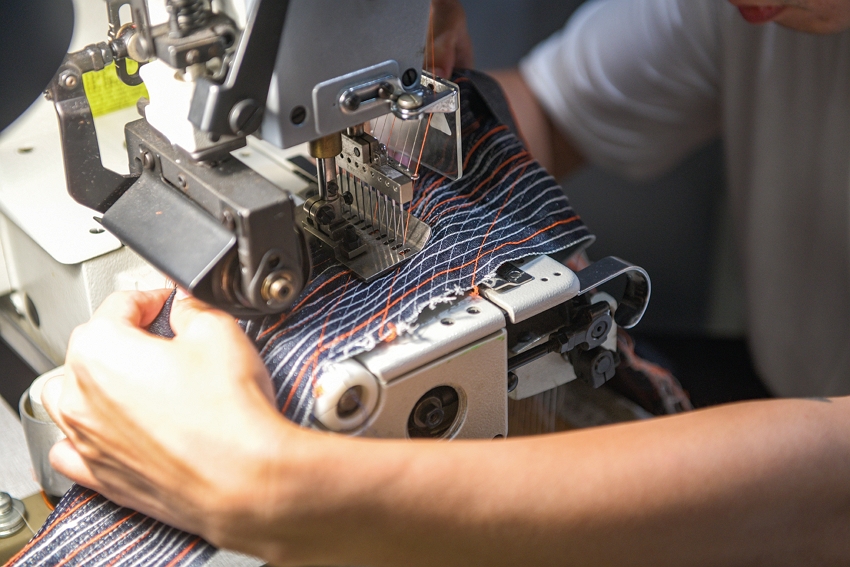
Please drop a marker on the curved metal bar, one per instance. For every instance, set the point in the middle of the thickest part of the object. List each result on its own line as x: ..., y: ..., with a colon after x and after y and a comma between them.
x: 89, y: 182
x: 632, y: 306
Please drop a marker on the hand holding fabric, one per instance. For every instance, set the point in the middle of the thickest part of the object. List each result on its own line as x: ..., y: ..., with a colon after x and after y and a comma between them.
x: 162, y: 425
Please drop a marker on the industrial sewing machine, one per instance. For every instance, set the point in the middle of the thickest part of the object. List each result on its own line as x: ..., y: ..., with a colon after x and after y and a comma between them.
x: 228, y: 216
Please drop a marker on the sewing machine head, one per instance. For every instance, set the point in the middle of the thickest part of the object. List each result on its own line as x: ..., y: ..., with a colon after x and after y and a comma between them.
x: 336, y: 80
x: 348, y: 82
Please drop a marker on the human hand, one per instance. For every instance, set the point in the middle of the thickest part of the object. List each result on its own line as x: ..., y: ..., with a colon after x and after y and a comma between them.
x: 452, y: 46
x: 178, y: 429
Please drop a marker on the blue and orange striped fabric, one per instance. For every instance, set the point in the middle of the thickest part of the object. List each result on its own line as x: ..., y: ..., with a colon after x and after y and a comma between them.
x: 505, y: 207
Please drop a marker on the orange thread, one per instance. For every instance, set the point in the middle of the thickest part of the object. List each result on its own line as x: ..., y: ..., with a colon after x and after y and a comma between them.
x: 313, y: 360
x: 492, y: 224
x: 422, y: 147
x: 64, y: 515
x: 183, y: 553
x: 350, y: 332
x: 93, y: 540
x: 132, y: 545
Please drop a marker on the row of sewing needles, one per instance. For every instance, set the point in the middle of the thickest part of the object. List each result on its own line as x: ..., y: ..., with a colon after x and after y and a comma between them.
x: 374, y: 209
x: 374, y: 212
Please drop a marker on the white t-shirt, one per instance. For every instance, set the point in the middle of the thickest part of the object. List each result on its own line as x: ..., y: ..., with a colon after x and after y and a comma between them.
x: 637, y: 84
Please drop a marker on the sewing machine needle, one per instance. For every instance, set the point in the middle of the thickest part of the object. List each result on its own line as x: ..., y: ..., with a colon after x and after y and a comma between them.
x: 386, y: 216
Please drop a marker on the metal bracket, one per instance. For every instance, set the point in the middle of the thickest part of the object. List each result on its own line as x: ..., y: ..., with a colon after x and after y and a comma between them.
x: 631, y: 307
x: 89, y: 182
x: 236, y: 107
x: 509, y: 275
x: 117, y: 36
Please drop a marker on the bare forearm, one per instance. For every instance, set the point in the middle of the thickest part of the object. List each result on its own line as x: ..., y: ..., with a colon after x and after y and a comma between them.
x: 543, y: 139
x: 757, y: 483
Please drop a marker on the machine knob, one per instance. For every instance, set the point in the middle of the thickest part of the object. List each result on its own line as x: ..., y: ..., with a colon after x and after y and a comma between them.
x: 595, y: 366
x: 11, y: 515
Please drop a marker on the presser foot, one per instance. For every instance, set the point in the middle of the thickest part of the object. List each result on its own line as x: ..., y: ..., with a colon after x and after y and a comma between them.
x: 370, y: 250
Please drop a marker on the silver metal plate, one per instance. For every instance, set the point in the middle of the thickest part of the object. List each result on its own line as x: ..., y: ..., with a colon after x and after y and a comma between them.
x: 383, y: 251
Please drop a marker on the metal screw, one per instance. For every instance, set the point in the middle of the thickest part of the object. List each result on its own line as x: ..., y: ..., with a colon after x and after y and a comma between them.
x: 356, y: 152
x: 68, y: 79
x: 409, y: 77
x: 245, y: 117
x: 409, y: 101
x: 277, y: 287
x: 147, y: 161
x: 351, y: 102
x: 385, y: 91
x: 298, y: 115
x: 600, y: 329
x: 348, y: 198
x: 181, y: 181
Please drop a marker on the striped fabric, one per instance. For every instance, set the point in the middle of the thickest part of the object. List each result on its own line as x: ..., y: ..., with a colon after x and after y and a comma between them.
x: 504, y: 208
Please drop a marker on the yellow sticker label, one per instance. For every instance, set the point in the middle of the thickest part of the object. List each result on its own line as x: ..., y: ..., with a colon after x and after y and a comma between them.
x: 107, y: 93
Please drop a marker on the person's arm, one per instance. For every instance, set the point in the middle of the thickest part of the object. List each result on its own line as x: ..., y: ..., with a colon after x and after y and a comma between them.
x: 184, y: 430
x: 542, y: 137
x: 452, y: 48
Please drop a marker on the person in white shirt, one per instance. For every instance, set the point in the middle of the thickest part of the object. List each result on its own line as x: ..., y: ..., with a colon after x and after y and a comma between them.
x: 756, y: 483
x: 635, y: 85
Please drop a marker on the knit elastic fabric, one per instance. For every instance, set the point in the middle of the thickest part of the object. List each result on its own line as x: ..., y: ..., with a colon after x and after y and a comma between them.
x: 504, y: 208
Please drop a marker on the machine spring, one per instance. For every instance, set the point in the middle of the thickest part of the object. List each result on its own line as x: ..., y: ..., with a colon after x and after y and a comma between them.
x: 186, y: 16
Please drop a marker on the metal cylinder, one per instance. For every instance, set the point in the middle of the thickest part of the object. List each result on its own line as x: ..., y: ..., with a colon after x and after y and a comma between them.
x: 41, y: 436
x: 326, y: 147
